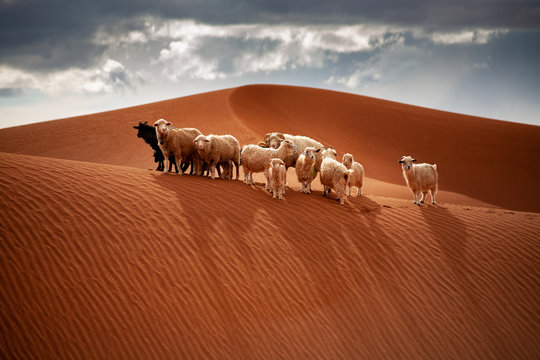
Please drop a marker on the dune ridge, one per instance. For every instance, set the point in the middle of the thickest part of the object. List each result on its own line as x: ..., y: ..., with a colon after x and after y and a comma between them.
x: 483, y: 159
x: 113, y: 261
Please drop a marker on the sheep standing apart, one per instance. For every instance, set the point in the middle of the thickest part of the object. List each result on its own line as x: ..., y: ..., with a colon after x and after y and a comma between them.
x: 420, y: 178
x: 305, y: 168
x: 357, y: 175
x: 255, y: 159
x: 277, y: 175
x: 216, y: 149
x: 178, y: 142
x: 148, y: 134
x: 334, y: 175
x: 274, y: 139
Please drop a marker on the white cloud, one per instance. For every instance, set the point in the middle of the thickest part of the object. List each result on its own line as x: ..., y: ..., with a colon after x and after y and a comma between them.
x: 105, y: 79
x: 476, y: 36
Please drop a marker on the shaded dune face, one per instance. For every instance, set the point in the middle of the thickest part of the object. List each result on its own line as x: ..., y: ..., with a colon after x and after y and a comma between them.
x: 102, y: 257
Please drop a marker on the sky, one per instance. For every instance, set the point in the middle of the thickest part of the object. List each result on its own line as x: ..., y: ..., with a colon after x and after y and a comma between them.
x: 62, y: 58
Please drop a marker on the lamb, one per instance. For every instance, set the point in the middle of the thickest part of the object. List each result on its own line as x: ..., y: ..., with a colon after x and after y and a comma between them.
x: 274, y: 139
x: 217, y: 149
x: 305, y: 168
x: 357, y: 175
x: 334, y: 175
x: 178, y: 142
x: 277, y: 175
x: 148, y: 134
x: 255, y: 159
x: 420, y: 178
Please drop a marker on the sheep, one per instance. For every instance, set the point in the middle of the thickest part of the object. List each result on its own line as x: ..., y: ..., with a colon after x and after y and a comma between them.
x: 148, y: 134
x: 302, y: 142
x: 357, y: 176
x: 217, y: 149
x: 255, y: 159
x: 420, y: 178
x: 334, y: 175
x: 305, y: 168
x: 277, y: 175
x: 178, y: 142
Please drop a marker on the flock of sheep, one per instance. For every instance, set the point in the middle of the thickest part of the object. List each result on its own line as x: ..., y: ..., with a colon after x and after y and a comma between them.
x: 209, y: 154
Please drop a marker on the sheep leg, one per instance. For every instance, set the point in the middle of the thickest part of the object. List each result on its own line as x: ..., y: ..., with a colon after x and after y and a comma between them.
x: 274, y: 193
x: 433, y: 192
x: 424, y: 194
x: 358, y: 191
x: 237, y: 165
x: 267, y: 175
x: 350, y: 187
x: 166, y: 167
x: 415, y: 197
x: 308, y: 188
x: 213, y: 170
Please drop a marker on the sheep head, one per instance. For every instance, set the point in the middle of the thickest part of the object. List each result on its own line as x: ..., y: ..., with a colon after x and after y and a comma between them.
x: 348, y: 160
x: 406, y: 162
x: 275, y: 163
x: 274, y: 139
x: 161, y: 128
x: 288, y: 147
x: 201, y: 142
x: 310, y: 152
x: 330, y: 153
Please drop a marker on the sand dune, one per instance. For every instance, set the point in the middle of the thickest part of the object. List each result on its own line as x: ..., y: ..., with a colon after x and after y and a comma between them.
x: 487, y: 160
x: 102, y: 257
x: 103, y: 261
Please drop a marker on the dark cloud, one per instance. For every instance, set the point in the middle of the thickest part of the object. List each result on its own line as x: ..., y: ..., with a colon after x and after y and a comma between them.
x: 55, y: 34
x: 10, y: 92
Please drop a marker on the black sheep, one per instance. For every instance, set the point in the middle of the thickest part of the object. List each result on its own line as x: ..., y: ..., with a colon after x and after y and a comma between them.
x: 148, y: 134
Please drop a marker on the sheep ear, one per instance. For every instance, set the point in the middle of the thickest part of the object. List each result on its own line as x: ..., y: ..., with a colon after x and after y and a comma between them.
x: 263, y: 144
x: 207, y: 140
x: 414, y: 160
x: 281, y: 136
x: 317, y: 150
x: 169, y: 123
x: 135, y: 127
x: 400, y: 161
x: 155, y: 125
x: 266, y: 137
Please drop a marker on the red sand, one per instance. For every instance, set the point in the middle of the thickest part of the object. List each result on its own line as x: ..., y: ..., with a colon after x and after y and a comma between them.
x: 106, y: 261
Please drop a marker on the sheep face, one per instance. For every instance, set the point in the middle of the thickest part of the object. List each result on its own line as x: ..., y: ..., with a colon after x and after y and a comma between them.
x: 274, y: 140
x: 161, y: 128
x: 310, y: 152
x: 348, y: 160
x: 406, y: 162
x: 330, y: 153
x: 201, y: 142
x: 275, y: 163
x: 141, y: 128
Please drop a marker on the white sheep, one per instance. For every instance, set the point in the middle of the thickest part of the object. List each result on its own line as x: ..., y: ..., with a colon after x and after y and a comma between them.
x: 305, y: 168
x: 277, y: 176
x: 334, y: 175
x: 178, y: 143
x: 420, y: 178
x: 357, y: 175
x: 255, y: 159
x: 216, y: 149
x: 274, y: 139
